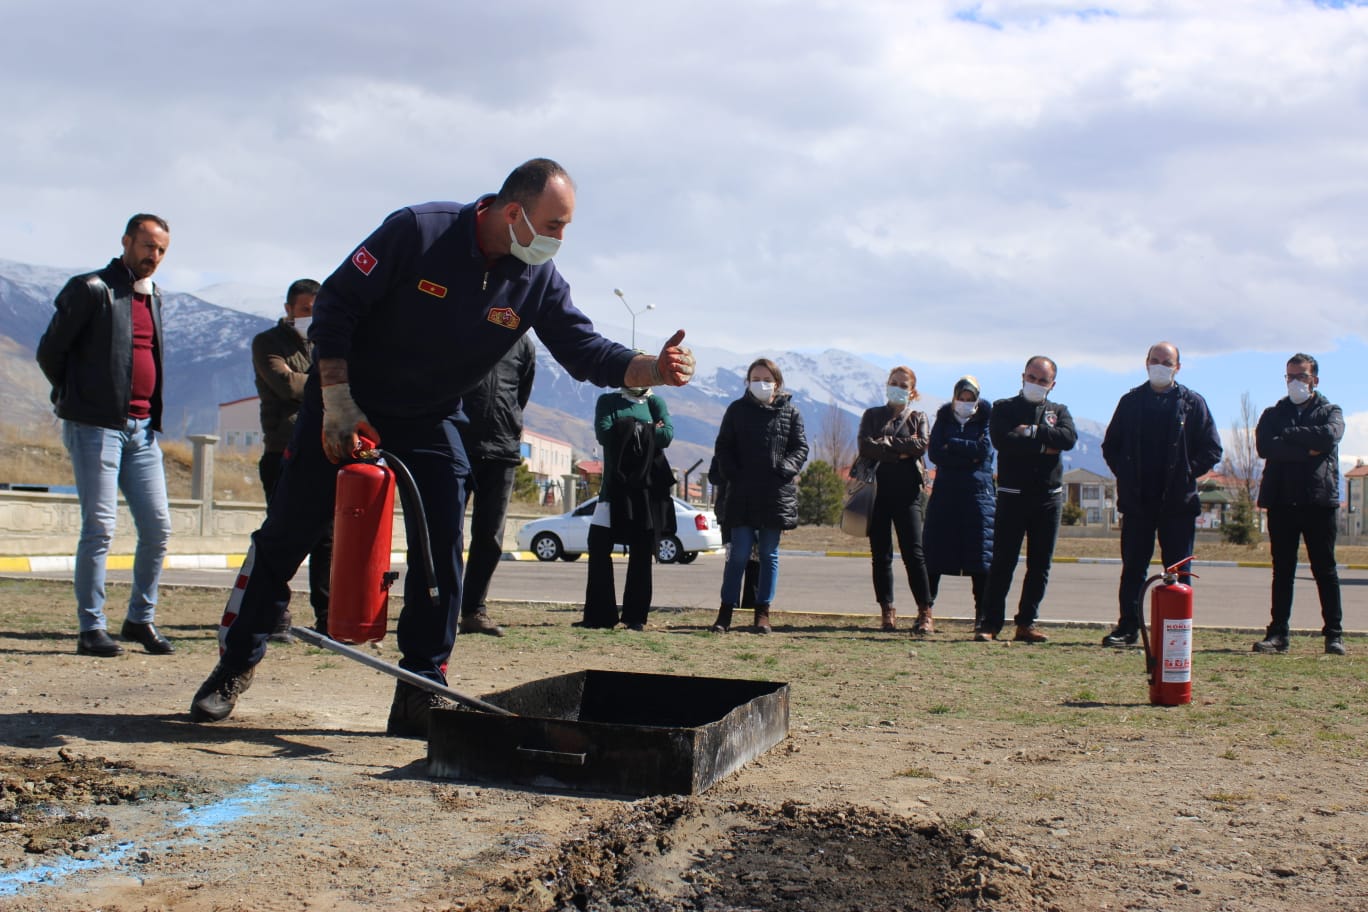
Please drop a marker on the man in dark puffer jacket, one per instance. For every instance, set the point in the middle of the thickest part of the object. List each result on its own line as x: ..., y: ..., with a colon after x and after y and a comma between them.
x: 1299, y: 441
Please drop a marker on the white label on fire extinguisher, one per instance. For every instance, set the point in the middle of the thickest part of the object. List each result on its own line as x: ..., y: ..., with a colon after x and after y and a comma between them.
x: 1176, y: 651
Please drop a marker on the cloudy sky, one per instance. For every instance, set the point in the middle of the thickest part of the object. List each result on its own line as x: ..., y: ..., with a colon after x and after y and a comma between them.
x: 953, y: 185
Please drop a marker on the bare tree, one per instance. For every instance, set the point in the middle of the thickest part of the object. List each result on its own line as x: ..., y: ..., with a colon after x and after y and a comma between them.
x: 1242, y: 463
x: 834, y: 442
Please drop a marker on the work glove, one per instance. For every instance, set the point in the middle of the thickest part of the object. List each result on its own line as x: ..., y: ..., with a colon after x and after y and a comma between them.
x: 343, y: 420
x: 674, y: 366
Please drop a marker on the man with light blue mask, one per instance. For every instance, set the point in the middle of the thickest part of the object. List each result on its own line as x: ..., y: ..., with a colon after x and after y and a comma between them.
x: 413, y: 318
x: 1161, y: 439
x: 1029, y: 431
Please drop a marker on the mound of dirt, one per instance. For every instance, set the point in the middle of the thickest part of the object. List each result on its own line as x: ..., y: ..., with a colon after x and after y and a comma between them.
x: 691, y: 855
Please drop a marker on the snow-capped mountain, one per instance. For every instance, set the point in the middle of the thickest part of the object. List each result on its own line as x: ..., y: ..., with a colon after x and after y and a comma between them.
x: 208, y: 362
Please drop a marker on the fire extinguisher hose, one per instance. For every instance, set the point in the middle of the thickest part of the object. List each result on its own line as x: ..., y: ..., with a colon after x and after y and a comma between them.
x: 412, y: 501
x: 315, y: 638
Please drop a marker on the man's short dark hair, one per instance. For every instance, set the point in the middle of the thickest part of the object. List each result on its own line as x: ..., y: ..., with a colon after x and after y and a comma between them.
x: 301, y: 287
x: 528, y: 180
x: 136, y: 222
x: 1054, y: 368
x: 1303, y: 358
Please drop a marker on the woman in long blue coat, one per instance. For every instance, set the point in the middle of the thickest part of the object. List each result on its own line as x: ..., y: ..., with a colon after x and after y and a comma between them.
x: 959, y: 516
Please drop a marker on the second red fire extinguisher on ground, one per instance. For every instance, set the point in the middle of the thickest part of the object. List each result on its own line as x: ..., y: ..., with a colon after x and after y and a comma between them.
x: 1168, y: 658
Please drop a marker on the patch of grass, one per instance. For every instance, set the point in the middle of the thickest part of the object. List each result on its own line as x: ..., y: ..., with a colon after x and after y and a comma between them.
x: 939, y: 709
x: 917, y: 772
x: 1228, y: 797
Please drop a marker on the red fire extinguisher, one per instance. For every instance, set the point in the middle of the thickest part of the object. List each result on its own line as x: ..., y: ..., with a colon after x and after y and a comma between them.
x: 1169, y: 661
x: 363, y: 525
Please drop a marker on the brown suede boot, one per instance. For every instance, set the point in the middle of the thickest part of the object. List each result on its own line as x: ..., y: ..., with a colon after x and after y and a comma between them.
x: 762, y: 622
x: 724, y: 618
x: 890, y: 616
x: 924, y: 624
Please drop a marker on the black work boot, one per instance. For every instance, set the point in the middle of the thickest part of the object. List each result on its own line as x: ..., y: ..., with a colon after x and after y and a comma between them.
x: 217, y: 696
x: 411, y: 711
x: 281, y: 633
x: 724, y: 618
x: 1334, y: 645
x: 1273, y: 643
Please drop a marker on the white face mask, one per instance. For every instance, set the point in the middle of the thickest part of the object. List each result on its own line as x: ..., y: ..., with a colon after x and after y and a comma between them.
x: 1034, y: 392
x: 1298, y: 391
x: 301, y: 325
x: 762, y: 389
x: 541, y: 249
x: 964, y: 409
x: 1160, y: 376
x: 897, y: 395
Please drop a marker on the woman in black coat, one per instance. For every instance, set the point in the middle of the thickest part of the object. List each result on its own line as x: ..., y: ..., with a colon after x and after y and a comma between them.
x: 761, y: 447
x: 959, y: 518
x: 893, y: 438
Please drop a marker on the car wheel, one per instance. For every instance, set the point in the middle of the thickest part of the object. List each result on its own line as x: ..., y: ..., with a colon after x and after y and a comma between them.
x: 568, y: 556
x: 546, y: 546
x: 668, y: 550
x: 688, y: 557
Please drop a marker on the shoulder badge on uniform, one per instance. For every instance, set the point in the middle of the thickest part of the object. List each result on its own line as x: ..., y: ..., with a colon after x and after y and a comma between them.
x: 364, y: 260
x: 432, y: 288
x: 1051, y: 418
x: 505, y: 317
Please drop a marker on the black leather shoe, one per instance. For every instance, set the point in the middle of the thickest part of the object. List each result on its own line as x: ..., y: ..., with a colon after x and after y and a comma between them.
x: 149, y: 636
x: 97, y: 643
x: 1121, y: 637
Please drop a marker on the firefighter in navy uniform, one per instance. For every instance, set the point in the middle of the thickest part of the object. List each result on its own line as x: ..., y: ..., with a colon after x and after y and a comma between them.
x: 419, y: 313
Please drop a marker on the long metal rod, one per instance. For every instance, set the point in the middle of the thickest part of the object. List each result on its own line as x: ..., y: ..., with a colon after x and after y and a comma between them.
x: 309, y: 635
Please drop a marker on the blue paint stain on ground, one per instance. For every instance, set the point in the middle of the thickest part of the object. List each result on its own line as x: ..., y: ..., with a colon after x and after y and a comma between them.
x: 252, y: 799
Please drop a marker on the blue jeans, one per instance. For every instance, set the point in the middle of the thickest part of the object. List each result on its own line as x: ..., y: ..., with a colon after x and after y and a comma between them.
x: 743, y: 539
x: 105, y: 462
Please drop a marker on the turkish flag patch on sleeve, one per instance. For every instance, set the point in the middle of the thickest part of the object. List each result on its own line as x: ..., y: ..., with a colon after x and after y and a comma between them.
x: 364, y: 260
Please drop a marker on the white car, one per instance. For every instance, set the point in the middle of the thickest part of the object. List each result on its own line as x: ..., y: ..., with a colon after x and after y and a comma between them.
x: 567, y: 536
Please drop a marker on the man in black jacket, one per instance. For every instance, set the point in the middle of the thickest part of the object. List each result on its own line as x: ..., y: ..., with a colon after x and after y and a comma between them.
x: 1161, y: 439
x: 280, y: 363
x: 1299, y: 441
x: 493, y: 441
x: 1029, y: 432
x: 102, y: 353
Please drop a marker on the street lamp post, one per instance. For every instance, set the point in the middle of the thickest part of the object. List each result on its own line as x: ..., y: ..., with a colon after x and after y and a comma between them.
x: 634, y: 313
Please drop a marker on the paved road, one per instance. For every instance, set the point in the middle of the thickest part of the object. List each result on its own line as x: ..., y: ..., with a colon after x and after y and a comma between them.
x: 1078, y: 592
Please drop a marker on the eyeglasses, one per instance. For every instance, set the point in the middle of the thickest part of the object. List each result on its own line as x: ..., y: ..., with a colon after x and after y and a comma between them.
x: 1304, y: 377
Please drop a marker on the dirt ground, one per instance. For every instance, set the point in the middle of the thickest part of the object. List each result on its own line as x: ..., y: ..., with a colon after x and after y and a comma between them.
x: 878, y: 799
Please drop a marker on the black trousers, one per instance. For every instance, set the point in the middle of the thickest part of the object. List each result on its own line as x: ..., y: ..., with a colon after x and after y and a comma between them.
x: 903, y: 516
x: 320, y: 558
x: 600, y: 591
x: 488, y: 505
x: 1287, y: 527
x: 1035, y: 519
x: 301, y: 513
x: 1177, y: 535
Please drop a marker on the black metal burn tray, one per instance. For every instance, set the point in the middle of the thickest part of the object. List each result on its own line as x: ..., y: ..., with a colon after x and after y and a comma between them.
x: 612, y: 733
